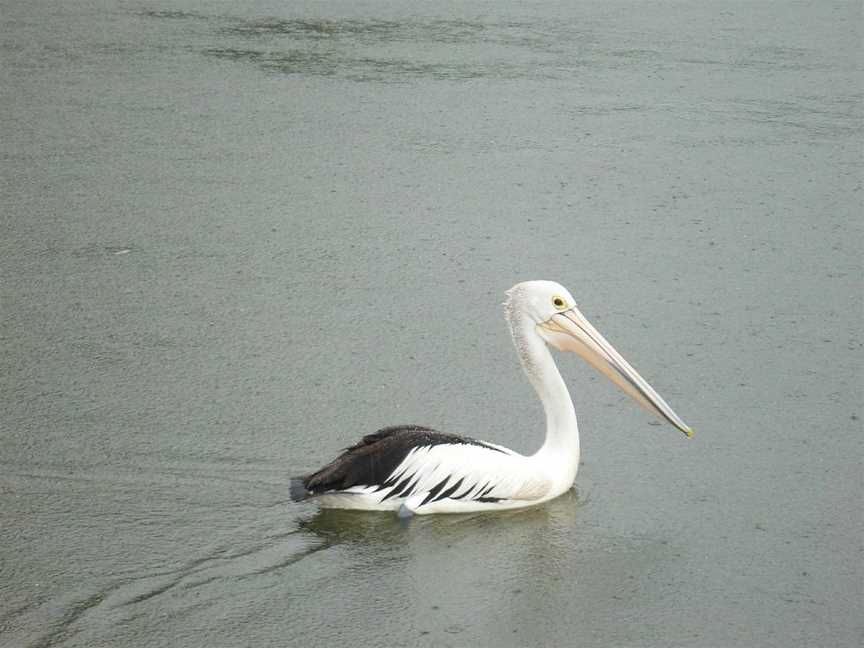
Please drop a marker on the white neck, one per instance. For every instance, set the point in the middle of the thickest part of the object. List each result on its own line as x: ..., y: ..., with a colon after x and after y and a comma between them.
x: 562, y: 434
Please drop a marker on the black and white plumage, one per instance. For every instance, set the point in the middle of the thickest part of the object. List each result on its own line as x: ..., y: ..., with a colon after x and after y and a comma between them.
x: 393, y: 464
x: 415, y: 469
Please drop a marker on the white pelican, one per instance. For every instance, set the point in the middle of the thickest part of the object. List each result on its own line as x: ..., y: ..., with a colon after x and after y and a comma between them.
x: 413, y: 469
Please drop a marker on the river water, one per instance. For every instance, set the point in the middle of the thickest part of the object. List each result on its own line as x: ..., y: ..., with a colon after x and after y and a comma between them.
x: 237, y: 236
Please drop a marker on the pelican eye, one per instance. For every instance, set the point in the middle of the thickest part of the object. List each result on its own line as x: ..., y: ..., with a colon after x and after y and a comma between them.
x: 559, y: 302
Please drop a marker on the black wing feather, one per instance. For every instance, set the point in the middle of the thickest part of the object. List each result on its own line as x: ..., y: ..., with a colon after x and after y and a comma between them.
x: 372, y: 461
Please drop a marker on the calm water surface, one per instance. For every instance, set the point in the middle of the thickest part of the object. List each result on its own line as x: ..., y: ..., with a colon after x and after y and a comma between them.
x: 237, y: 236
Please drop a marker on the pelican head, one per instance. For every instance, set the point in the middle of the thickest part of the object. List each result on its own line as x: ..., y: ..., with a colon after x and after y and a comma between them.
x: 560, y: 324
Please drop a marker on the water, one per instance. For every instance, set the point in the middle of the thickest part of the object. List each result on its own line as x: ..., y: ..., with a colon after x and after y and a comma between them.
x: 236, y: 238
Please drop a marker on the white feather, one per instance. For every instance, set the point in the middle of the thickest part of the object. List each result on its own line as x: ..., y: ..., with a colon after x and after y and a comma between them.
x: 503, y: 475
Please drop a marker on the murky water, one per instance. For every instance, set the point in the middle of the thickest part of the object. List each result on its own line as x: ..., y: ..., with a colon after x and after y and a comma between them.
x: 237, y: 236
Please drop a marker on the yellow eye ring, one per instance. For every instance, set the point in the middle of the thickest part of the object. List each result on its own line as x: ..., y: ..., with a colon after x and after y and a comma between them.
x: 559, y: 302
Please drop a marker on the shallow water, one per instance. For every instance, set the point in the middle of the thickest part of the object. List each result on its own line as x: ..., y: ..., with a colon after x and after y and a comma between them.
x: 236, y: 238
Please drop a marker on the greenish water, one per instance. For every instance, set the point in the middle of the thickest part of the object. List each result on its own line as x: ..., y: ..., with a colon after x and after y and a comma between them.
x: 238, y: 236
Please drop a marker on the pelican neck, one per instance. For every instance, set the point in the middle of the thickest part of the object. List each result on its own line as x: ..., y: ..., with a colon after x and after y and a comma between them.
x: 562, y: 433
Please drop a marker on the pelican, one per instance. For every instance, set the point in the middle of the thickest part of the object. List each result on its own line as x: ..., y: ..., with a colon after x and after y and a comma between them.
x: 412, y: 469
